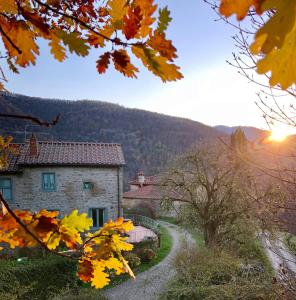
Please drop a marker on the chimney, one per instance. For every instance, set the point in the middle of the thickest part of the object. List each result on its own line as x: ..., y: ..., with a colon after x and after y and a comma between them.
x: 33, y: 145
x: 141, y: 178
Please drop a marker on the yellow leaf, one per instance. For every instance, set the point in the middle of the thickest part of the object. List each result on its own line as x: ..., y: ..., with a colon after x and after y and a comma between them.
x: 157, y: 65
x: 78, y: 222
x: 281, y: 63
x: 8, y: 6
x: 239, y: 7
x: 117, y: 9
x: 53, y: 241
x: 120, y: 243
x: 148, y: 9
x: 276, y: 40
x: 57, y: 50
x: 100, y: 278
x: 114, y: 264
x: 23, y: 38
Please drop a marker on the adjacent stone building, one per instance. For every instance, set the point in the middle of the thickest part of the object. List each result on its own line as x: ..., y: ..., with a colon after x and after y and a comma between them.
x: 148, y: 192
x: 65, y: 176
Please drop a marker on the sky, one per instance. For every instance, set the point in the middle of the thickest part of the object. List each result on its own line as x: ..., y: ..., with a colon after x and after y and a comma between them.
x: 211, y: 92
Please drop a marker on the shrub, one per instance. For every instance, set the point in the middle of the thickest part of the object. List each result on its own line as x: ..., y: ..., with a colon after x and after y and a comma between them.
x: 212, y: 274
x: 146, y: 255
x: 148, y: 243
x: 79, y: 294
x: 290, y: 240
x: 132, y: 259
x: 36, y: 278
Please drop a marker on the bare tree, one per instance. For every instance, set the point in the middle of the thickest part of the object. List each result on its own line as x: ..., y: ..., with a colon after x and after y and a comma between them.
x: 215, y: 189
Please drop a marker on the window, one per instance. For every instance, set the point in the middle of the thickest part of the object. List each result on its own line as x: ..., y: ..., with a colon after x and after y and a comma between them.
x: 99, y: 216
x: 6, y: 188
x: 88, y: 185
x: 48, y: 182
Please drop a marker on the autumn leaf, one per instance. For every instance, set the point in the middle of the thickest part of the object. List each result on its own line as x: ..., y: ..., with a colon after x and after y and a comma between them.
x: 24, y: 39
x: 148, y: 8
x: 165, y: 47
x: 8, y: 6
x: 239, y: 7
x: 103, y: 62
x: 36, y: 20
x: 99, y: 40
x: 276, y: 39
x: 157, y: 65
x: 80, y: 222
x: 100, y: 278
x: 132, y: 22
x: 163, y: 20
x: 74, y: 42
x: 57, y: 50
x: 122, y: 63
x: 117, y: 9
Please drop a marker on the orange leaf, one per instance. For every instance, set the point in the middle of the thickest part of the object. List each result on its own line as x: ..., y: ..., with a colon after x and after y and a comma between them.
x: 165, y: 47
x: 239, y: 7
x: 103, y: 62
x: 132, y: 22
x: 122, y: 63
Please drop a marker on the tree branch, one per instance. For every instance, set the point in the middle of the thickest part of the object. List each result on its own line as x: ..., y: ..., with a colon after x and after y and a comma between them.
x: 33, y: 119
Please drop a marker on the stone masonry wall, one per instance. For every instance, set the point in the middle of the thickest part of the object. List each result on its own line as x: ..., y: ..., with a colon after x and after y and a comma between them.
x: 27, y: 192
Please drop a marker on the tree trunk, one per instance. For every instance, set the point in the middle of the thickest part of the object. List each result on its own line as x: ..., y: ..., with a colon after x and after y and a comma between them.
x: 210, y: 236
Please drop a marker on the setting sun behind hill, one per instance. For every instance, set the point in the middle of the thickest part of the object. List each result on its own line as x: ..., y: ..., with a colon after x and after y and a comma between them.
x: 278, y: 135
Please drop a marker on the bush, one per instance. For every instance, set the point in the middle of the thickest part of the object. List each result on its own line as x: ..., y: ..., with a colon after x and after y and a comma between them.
x: 148, y: 243
x: 132, y: 259
x: 290, y: 241
x: 209, y: 274
x: 79, y: 294
x: 146, y: 255
x: 143, y: 209
x: 36, y: 278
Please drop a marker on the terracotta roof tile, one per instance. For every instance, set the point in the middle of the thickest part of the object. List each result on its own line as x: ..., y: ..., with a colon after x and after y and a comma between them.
x: 66, y: 153
x: 149, y: 180
x: 151, y: 192
x: 73, y: 153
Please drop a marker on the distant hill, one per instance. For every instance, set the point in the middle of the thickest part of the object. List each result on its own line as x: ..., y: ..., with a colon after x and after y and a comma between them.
x: 252, y: 133
x: 150, y: 140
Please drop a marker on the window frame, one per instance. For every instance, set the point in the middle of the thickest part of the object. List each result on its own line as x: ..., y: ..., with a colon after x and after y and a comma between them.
x: 105, y: 216
x: 89, y: 183
x: 42, y: 182
x: 11, y: 189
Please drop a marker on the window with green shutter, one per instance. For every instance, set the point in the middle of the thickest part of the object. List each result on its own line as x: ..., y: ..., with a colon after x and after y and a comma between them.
x: 99, y: 216
x: 6, y: 188
x: 48, y: 182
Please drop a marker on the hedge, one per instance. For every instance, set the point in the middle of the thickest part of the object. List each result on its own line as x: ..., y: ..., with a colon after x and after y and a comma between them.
x: 36, y: 278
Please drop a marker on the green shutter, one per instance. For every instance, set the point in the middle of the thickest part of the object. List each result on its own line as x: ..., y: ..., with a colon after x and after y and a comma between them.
x: 106, y: 217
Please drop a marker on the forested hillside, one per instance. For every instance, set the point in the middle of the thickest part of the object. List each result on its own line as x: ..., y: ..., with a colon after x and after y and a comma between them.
x: 150, y: 140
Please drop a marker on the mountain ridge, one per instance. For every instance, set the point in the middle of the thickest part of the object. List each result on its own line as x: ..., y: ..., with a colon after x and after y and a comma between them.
x: 150, y: 140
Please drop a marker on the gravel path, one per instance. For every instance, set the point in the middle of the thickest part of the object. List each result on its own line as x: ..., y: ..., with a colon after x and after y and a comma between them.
x: 279, y: 255
x: 152, y: 282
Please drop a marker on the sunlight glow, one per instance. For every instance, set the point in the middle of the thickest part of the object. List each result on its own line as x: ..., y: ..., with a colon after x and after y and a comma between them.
x: 278, y: 135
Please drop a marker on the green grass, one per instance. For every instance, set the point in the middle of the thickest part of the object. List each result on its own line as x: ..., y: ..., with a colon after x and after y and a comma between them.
x: 171, y: 220
x: 197, y: 236
x: 195, y: 233
x: 290, y: 242
x: 166, y: 243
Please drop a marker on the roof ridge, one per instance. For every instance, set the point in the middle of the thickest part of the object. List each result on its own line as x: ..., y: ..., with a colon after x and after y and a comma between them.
x: 79, y: 143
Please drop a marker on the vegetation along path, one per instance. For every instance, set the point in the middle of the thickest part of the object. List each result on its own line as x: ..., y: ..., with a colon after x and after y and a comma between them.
x: 149, y: 284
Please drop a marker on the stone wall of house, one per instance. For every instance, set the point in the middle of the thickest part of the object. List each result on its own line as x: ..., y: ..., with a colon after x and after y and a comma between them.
x: 27, y: 191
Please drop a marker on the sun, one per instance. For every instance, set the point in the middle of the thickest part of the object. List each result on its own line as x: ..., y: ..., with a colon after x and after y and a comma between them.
x: 278, y: 135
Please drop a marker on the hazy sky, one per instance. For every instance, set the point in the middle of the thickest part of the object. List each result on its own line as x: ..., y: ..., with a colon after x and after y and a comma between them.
x: 211, y: 92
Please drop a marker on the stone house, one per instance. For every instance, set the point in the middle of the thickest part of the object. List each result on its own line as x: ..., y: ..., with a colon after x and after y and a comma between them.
x: 65, y: 176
